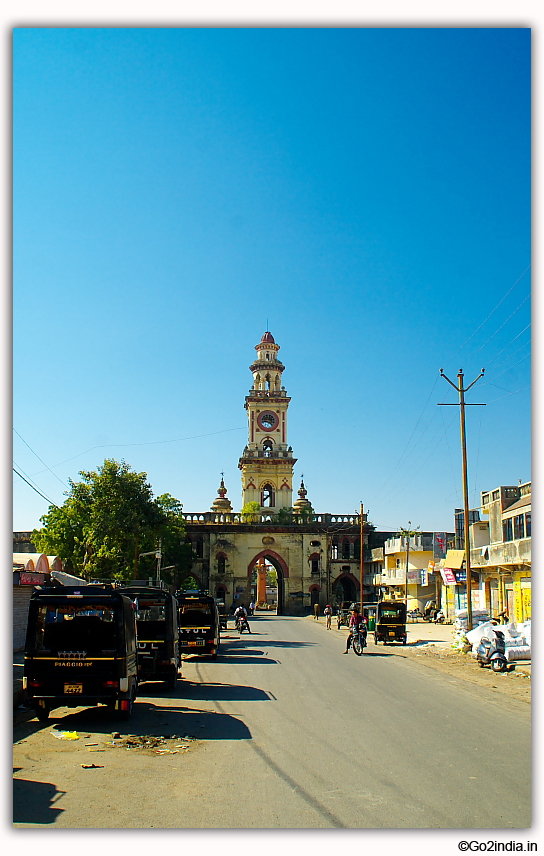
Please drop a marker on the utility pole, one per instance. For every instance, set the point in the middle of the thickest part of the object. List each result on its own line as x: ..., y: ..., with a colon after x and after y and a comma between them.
x: 462, y: 390
x: 409, y: 533
x: 362, y: 563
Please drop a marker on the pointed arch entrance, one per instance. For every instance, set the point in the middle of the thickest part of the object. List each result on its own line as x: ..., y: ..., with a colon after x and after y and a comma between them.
x: 346, y: 587
x: 280, y: 566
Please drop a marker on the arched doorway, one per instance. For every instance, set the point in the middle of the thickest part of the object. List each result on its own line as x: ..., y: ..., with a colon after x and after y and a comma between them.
x: 314, y: 595
x: 346, y: 587
x: 282, y: 571
x: 221, y: 592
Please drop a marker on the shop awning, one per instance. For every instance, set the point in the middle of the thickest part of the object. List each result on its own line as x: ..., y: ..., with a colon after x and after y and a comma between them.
x: 454, y: 559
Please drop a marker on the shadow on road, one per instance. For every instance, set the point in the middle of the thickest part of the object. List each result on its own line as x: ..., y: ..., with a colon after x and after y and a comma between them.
x: 33, y: 801
x: 225, y: 692
x: 150, y: 717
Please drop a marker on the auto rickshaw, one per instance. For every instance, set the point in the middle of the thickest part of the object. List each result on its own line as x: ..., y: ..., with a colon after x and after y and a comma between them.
x: 157, y: 632
x: 390, y: 622
x: 343, y: 614
x: 80, y: 649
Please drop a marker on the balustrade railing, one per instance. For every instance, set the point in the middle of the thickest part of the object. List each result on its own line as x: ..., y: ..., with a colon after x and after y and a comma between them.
x: 264, y: 518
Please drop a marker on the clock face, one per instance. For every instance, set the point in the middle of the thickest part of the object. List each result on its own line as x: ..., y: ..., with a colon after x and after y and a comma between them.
x: 267, y: 420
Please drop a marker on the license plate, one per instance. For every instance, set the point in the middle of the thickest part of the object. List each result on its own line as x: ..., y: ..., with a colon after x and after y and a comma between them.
x: 73, y: 689
x: 391, y: 633
x: 198, y: 642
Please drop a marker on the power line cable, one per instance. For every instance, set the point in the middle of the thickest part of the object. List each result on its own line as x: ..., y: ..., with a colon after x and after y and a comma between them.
x: 409, y: 440
x: 507, y: 370
x: 38, y: 457
x: 488, y: 317
x: 414, y: 474
x: 509, y: 393
x: 50, y: 501
x: 498, y: 328
x: 508, y: 345
x: 149, y: 443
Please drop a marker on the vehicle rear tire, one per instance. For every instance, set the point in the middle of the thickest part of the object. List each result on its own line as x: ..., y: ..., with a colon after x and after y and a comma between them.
x: 498, y: 666
x: 42, y: 713
x: 171, y: 683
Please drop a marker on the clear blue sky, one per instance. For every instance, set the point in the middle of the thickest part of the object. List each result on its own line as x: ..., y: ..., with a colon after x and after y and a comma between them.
x: 363, y: 192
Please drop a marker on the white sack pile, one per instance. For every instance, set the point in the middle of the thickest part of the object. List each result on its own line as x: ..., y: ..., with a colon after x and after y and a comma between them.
x: 517, y: 638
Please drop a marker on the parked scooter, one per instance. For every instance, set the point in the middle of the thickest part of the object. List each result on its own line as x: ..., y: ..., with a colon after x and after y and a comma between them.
x: 491, y: 652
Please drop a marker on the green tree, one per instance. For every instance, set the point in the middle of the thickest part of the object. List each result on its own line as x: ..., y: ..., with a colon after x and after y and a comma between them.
x: 108, y: 517
x: 250, y: 512
x: 306, y: 515
x: 285, y: 516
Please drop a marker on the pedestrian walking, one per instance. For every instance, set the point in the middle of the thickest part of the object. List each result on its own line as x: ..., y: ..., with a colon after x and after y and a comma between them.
x: 327, y: 612
x: 316, y: 612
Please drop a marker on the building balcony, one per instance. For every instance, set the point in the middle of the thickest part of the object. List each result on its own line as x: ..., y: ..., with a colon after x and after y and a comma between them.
x: 501, y: 554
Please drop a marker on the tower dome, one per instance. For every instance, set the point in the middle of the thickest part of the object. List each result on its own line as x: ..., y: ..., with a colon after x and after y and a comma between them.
x: 221, y: 502
x: 268, y: 339
x: 302, y: 502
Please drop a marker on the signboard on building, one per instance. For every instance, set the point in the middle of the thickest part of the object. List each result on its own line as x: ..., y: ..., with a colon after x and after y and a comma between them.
x: 439, y: 545
x: 28, y: 579
x: 448, y: 576
x: 414, y: 576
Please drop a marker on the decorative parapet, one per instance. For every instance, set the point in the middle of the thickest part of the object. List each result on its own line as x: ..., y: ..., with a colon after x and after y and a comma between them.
x: 264, y: 518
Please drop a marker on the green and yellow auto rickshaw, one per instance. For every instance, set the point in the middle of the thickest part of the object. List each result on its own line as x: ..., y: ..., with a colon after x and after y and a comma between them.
x: 390, y: 622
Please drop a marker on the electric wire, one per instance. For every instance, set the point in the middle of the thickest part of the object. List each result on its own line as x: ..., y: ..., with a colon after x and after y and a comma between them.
x: 508, y: 345
x: 38, y: 457
x: 50, y: 501
x: 506, y: 370
x: 498, y: 329
x: 414, y: 474
x: 148, y: 443
x: 488, y: 317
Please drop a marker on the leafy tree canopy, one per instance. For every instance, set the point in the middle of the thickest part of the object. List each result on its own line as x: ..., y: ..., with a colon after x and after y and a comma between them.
x: 107, y: 519
x: 251, y: 511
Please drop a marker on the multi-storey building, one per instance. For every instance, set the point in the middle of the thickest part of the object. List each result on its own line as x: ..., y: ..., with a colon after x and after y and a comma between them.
x: 501, y: 550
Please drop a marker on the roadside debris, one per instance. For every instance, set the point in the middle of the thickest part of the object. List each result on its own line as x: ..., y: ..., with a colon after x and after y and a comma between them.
x: 93, y: 766
x: 157, y: 743
x: 65, y: 735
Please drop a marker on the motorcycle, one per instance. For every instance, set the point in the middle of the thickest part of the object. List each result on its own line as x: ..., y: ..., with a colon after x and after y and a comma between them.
x: 491, y: 652
x: 358, y: 642
x: 242, y: 624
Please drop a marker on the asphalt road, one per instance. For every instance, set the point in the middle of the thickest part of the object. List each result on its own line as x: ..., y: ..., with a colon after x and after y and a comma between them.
x: 289, y: 734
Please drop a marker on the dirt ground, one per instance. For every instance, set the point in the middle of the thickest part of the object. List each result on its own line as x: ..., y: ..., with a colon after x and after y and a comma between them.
x: 516, y: 684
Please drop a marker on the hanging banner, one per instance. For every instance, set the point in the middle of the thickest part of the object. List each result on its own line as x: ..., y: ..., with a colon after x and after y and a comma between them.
x: 439, y: 545
x: 448, y: 576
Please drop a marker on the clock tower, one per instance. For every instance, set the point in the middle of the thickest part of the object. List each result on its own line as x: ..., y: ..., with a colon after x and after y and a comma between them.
x: 267, y: 461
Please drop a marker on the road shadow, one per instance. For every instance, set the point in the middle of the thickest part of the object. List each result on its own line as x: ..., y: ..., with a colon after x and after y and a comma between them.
x: 33, y: 802
x: 225, y: 692
x: 150, y: 717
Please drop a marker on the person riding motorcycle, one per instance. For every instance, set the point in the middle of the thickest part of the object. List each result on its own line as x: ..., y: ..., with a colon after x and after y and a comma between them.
x: 357, y: 624
x: 240, y: 616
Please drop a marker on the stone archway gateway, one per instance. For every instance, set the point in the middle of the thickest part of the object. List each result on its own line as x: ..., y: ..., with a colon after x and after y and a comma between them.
x: 282, y: 569
x: 346, y: 587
